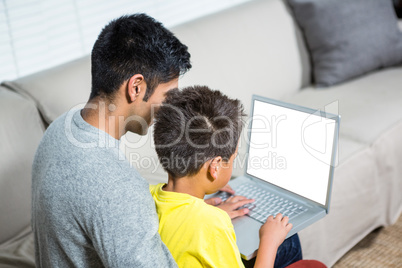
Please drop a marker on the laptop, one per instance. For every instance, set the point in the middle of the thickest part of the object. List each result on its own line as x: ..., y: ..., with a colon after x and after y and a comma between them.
x: 289, y: 168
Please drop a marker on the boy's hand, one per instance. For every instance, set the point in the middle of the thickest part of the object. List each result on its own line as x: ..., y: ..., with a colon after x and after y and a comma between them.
x: 217, y: 200
x: 275, y: 229
x: 232, y: 205
x: 272, y: 234
x: 227, y: 189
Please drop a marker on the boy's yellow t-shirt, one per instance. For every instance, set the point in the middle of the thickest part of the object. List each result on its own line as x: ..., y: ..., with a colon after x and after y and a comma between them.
x: 197, y: 234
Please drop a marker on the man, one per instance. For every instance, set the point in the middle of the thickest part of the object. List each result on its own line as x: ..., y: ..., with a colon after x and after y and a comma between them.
x: 89, y: 207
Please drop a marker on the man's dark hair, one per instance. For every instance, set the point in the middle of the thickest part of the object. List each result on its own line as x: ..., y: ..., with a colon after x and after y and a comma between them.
x: 195, y: 125
x: 136, y: 44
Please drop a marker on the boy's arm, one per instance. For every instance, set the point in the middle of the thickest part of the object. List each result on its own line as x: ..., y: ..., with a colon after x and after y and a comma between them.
x: 272, y: 234
x: 267, y: 256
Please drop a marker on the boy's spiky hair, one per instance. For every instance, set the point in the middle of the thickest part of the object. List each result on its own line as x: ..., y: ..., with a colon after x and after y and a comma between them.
x: 195, y: 125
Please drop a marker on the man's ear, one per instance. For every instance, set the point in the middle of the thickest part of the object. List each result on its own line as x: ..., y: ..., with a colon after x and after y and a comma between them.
x: 214, y: 167
x: 134, y: 86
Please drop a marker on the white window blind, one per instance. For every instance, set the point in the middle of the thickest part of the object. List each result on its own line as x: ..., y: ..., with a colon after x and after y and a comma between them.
x: 39, y: 34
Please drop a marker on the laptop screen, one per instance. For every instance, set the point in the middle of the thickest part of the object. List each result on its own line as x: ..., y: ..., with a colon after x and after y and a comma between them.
x: 291, y: 149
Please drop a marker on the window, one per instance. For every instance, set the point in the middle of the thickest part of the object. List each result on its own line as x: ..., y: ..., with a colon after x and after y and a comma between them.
x: 39, y: 34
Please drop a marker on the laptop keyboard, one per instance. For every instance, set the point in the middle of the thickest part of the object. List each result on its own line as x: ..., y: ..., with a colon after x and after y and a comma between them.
x: 266, y: 203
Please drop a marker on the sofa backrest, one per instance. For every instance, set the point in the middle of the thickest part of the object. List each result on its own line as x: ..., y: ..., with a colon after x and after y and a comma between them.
x: 20, y: 132
x: 253, y: 48
x: 57, y: 89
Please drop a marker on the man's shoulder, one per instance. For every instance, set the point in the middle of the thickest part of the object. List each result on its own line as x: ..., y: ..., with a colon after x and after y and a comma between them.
x: 59, y: 136
x: 70, y: 157
x: 59, y: 123
x: 76, y: 145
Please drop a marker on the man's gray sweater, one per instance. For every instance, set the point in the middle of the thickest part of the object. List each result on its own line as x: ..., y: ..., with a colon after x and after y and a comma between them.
x: 89, y: 207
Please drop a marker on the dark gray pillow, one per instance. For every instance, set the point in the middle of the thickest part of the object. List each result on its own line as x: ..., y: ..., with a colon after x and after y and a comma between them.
x: 348, y: 38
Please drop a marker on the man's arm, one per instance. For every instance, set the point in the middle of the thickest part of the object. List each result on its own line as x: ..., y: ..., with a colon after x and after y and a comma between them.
x: 124, y: 231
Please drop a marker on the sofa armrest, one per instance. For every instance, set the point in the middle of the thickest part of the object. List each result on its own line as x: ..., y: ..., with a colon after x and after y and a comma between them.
x: 20, y: 132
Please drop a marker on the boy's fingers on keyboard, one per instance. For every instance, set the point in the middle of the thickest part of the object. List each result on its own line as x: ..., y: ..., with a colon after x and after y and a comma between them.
x: 232, y: 208
x: 237, y: 198
x: 213, y: 201
x: 239, y: 203
x: 238, y: 213
x: 285, y: 220
x: 227, y: 189
x: 278, y: 216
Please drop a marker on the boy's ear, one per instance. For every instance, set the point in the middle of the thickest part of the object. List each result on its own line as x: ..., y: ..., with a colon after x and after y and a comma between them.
x: 134, y: 86
x: 214, y: 167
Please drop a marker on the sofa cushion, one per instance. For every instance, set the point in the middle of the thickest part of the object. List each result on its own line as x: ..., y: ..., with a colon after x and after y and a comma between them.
x: 242, y: 54
x: 18, y: 251
x: 368, y: 105
x: 20, y: 132
x: 368, y: 174
x: 348, y: 38
x: 58, y: 89
x: 354, y: 196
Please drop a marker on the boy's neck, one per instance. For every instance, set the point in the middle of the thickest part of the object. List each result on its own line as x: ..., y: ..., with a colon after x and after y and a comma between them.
x: 186, y: 185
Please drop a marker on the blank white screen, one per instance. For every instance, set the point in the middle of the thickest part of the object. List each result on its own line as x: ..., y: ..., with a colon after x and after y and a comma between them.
x: 291, y: 149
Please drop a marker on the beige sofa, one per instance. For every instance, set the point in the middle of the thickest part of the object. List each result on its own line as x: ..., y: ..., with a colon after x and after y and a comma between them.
x: 254, y: 48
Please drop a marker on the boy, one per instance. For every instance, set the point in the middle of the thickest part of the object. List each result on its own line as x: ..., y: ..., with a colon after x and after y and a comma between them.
x: 196, y: 137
